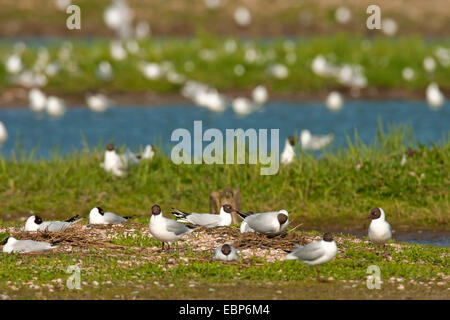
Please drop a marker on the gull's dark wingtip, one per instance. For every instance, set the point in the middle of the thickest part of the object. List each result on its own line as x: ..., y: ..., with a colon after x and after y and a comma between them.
x: 74, y: 218
x: 242, y: 215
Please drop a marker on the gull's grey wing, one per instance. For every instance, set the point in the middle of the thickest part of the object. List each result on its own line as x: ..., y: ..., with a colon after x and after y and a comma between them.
x: 31, y: 246
x: 310, y: 252
x: 204, y: 219
x: 262, y: 222
x: 54, y: 226
x: 113, y: 218
x: 129, y: 158
x: 176, y: 227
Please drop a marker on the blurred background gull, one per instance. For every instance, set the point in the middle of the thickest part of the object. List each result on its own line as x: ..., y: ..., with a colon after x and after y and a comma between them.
x: 150, y: 66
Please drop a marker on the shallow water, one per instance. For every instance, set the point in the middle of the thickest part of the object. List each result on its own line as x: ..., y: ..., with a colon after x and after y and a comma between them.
x: 137, y: 126
x: 430, y: 239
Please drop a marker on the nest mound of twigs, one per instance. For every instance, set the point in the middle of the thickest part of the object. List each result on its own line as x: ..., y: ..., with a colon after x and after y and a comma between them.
x: 284, y: 241
x: 75, y: 236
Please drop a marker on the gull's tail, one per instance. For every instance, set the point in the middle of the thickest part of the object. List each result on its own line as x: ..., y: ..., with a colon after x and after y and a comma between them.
x: 182, y: 216
x: 242, y: 215
x: 73, y: 219
x: 128, y: 217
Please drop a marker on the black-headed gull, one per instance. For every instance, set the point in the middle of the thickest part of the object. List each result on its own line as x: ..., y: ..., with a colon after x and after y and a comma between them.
x: 288, y: 154
x: 269, y: 223
x: 379, y: 229
x: 313, y: 142
x: 225, y: 252
x: 104, y: 71
x: 35, y: 223
x: 164, y: 229
x: 14, y: 63
x: 98, y: 216
x: 242, y: 16
x: 208, y: 220
x: 260, y: 95
x: 118, y: 164
x: 315, y: 253
x: 11, y: 244
x: 243, y: 106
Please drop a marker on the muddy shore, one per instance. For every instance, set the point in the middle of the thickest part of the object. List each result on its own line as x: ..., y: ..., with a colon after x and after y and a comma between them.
x: 17, y: 97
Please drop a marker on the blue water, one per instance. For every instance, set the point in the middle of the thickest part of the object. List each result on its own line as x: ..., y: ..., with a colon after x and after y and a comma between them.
x: 136, y: 126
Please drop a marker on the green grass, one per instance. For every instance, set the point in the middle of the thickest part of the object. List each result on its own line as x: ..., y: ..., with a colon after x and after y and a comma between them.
x: 382, y: 59
x: 125, y: 271
x: 319, y: 192
x: 329, y: 189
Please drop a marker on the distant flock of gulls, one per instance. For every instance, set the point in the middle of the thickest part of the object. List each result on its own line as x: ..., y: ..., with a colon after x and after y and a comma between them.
x: 118, y: 16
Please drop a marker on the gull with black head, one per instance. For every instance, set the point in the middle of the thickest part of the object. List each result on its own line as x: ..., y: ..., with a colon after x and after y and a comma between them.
x: 288, y: 154
x: 379, y: 229
x: 164, y: 229
x: 268, y: 223
x: 118, y: 164
x: 98, y: 216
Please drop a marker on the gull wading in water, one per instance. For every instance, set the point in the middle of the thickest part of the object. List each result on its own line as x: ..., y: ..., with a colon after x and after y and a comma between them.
x: 149, y: 152
x: 435, y: 98
x: 315, y: 253
x: 35, y: 223
x: 312, y: 142
x: 260, y: 95
x: 269, y: 223
x: 11, y: 244
x: 379, y: 229
x: 208, y: 220
x: 288, y: 154
x: 55, y: 107
x: 334, y: 101
x: 164, y: 229
x: 98, y: 216
x: 243, y: 106
x: 97, y: 102
x: 244, y: 226
x: 225, y: 252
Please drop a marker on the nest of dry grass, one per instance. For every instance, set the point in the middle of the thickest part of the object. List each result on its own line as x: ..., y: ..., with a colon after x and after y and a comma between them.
x: 284, y: 241
x: 76, y: 236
